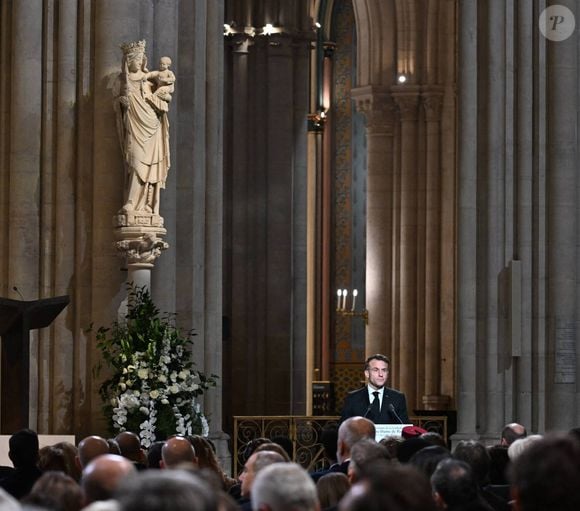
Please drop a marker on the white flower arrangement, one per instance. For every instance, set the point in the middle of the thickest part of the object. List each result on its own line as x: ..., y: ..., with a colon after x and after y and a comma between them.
x: 154, y: 385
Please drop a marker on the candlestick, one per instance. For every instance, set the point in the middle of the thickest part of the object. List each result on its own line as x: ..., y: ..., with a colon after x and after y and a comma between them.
x: 339, y: 293
x: 354, y: 295
x: 344, y: 295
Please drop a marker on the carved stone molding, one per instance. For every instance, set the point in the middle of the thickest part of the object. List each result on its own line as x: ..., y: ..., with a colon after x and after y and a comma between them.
x: 137, y: 219
x: 432, y: 100
x: 377, y: 106
x: 140, y: 246
x: 240, y: 43
x: 407, y: 99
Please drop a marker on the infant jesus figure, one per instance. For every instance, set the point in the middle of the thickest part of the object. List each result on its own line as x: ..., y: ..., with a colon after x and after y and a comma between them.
x: 163, y: 79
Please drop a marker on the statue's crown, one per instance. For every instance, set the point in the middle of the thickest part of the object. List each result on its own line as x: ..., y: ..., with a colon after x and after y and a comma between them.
x: 133, y: 48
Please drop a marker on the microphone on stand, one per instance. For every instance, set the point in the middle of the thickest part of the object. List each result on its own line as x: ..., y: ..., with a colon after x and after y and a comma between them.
x: 14, y: 288
x: 392, y: 410
x: 368, y: 410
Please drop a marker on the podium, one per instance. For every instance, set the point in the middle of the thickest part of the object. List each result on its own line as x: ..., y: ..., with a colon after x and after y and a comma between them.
x: 17, y: 318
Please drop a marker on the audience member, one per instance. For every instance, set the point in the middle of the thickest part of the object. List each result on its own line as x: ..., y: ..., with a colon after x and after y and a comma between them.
x: 206, y: 458
x: 130, y: 447
x: 271, y: 446
x: 498, y: 470
x: 520, y: 445
x: 350, y: 432
x: 511, y: 432
x: 390, y: 486
x: 161, y: 490
x: 410, y: 446
x: 247, y: 450
x: 412, y: 432
x: 70, y: 452
x: 102, y: 476
x: 89, y: 448
x: 284, y: 487
x: 154, y: 454
x: 177, y: 450
x: 331, y: 488
x: 55, y: 490
x: 363, y: 454
x: 23, y: 452
x: 257, y: 461
x: 113, y: 446
x: 286, y: 444
x: 498, y: 455
x: 476, y: 456
x: 546, y: 476
x: 455, y: 487
x: 427, y: 459
x: 329, y: 441
x: 434, y: 438
x: 392, y: 444
x: 8, y: 502
x: 51, y: 458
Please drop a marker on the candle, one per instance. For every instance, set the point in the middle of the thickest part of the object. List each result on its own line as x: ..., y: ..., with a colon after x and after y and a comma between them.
x: 339, y: 292
x: 344, y: 293
x: 354, y: 295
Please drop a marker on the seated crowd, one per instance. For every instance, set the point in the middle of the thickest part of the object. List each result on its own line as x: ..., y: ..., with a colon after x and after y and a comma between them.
x: 416, y: 472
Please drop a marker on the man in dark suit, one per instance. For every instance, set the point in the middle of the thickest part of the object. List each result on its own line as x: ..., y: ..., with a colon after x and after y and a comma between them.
x: 375, y: 401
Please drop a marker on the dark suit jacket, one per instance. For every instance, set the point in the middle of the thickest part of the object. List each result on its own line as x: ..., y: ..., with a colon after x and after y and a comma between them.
x: 357, y: 403
x: 337, y: 467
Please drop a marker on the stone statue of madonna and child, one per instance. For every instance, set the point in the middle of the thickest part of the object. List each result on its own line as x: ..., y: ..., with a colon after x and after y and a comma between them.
x: 142, y: 99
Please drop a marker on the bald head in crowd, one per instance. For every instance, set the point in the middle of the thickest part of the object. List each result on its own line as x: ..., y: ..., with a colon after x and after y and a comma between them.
x: 512, y: 432
x: 350, y: 432
x: 102, y: 476
x: 177, y: 450
x: 89, y: 448
x: 130, y: 446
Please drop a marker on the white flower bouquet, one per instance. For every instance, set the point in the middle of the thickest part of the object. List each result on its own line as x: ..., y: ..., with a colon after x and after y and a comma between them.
x: 153, y: 387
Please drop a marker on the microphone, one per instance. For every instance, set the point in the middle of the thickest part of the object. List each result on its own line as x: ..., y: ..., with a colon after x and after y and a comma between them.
x: 14, y: 288
x: 368, y: 410
x: 392, y: 410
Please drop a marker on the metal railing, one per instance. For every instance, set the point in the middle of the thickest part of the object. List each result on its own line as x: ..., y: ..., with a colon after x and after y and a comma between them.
x: 304, y: 433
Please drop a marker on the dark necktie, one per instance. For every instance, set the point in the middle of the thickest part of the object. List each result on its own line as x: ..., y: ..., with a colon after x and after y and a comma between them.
x: 376, y: 405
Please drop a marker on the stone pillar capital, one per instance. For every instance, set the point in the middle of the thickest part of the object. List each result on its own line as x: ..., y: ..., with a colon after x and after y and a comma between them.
x: 378, y: 107
x: 432, y: 100
x: 407, y: 99
x: 240, y: 42
x: 140, y: 246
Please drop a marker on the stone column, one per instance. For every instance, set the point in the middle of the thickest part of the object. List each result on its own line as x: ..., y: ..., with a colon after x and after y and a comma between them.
x: 25, y: 146
x: 23, y: 263
x: 432, y: 97
x: 467, y: 230
x: 561, y: 357
x: 326, y: 227
x: 407, y: 99
x: 378, y: 108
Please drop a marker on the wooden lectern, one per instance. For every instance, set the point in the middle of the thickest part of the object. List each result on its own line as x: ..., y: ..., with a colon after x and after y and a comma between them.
x: 17, y: 318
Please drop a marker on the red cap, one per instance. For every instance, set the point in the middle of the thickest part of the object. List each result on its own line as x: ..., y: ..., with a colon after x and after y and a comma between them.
x: 412, y: 432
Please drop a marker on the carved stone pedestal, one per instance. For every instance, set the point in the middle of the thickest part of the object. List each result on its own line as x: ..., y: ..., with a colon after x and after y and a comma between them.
x: 139, y: 240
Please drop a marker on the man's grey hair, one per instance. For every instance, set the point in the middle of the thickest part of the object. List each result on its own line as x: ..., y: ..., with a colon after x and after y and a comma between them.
x: 354, y: 429
x: 264, y: 459
x: 283, y: 487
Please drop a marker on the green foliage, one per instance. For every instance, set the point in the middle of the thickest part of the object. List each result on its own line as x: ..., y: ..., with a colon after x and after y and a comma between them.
x: 153, y: 385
